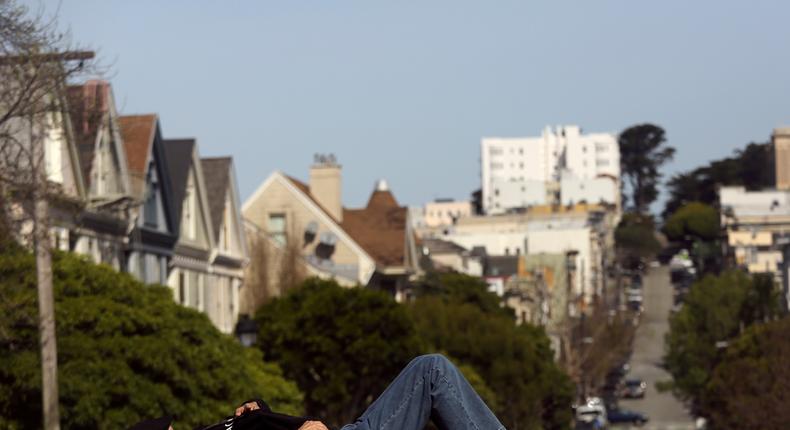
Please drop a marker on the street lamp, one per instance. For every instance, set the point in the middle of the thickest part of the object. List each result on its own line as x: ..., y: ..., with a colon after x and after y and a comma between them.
x: 247, y: 330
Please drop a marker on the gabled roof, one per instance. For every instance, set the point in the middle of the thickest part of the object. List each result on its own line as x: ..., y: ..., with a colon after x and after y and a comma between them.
x: 138, y: 136
x: 87, y: 106
x: 178, y: 153
x: 379, y: 228
x: 216, y: 173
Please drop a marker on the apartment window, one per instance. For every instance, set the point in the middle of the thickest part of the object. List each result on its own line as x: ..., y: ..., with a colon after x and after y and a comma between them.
x: 496, y: 166
x: 521, y: 151
x: 507, y: 251
x: 496, y: 192
x: 495, y: 151
x: 521, y: 165
x: 601, y: 147
x: 188, y: 224
x: 601, y: 162
x: 277, y: 228
x: 584, y: 148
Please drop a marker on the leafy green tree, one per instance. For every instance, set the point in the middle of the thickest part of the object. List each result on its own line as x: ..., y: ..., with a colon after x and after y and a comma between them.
x: 750, y: 387
x: 715, y: 311
x: 694, y: 220
x: 515, y: 361
x: 643, y: 151
x: 753, y: 167
x: 126, y: 352
x: 461, y: 288
x: 635, y: 238
x: 341, y: 345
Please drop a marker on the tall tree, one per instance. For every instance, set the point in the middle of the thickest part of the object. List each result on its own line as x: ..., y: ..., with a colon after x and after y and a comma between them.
x: 643, y: 151
x: 35, y: 64
x: 753, y: 167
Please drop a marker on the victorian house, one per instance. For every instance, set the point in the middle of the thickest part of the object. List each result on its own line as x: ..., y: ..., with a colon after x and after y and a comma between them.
x: 189, y: 274
x: 153, y: 233
x: 229, y: 255
x: 100, y: 229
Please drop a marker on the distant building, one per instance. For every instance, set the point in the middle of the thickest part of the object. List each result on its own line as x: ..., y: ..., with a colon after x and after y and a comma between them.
x: 371, y: 246
x: 521, y: 172
x: 450, y: 256
x: 753, y: 222
x: 584, y: 230
x: 445, y: 212
x: 781, y: 144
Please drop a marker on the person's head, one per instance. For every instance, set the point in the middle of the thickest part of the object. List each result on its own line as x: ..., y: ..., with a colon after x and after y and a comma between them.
x: 161, y: 423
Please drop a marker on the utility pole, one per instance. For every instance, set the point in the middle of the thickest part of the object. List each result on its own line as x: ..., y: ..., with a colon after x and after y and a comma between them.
x: 36, y: 102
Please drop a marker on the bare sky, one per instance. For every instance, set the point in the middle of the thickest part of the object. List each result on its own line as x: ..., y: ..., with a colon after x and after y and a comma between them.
x: 405, y: 90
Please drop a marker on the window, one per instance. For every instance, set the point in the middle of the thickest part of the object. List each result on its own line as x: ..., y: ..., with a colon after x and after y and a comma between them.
x: 496, y: 166
x: 521, y: 151
x: 182, y: 288
x: 496, y: 191
x: 150, y: 209
x: 495, y: 151
x: 507, y: 251
x: 601, y: 162
x: 188, y: 219
x: 521, y: 165
x: 277, y: 228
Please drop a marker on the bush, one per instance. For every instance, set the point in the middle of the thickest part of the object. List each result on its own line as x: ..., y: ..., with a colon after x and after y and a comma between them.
x: 125, y: 352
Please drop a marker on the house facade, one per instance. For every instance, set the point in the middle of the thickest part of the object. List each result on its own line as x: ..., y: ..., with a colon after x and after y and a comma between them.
x: 371, y: 246
x: 229, y: 255
x: 153, y: 232
x: 101, y: 228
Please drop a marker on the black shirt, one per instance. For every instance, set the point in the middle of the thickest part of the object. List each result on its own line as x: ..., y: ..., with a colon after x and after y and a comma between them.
x: 260, y: 419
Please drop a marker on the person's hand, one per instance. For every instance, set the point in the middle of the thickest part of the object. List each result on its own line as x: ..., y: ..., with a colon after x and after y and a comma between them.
x: 313, y: 425
x: 249, y: 406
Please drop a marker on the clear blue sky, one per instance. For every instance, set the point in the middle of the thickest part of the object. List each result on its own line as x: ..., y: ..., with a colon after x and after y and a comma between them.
x: 405, y: 90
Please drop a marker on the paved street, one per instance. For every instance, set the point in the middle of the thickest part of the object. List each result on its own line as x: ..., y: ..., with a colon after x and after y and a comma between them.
x: 664, y: 410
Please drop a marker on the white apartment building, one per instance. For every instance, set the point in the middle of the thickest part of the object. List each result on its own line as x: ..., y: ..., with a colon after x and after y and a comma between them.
x: 526, y: 171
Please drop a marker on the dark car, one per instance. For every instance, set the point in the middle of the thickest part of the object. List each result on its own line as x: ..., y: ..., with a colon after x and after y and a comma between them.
x: 633, y: 389
x: 619, y: 416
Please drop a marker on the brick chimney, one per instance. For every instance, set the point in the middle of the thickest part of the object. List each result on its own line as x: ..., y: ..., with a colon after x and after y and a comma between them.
x: 326, y: 184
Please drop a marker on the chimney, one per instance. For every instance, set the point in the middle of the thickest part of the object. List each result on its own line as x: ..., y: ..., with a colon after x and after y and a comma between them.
x: 326, y: 184
x: 781, y: 141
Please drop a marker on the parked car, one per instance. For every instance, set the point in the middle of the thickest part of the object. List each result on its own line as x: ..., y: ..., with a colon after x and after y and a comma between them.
x: 635, y: 304
x: 620, y: 416
x: 591, y: 415
x: 633, y: 389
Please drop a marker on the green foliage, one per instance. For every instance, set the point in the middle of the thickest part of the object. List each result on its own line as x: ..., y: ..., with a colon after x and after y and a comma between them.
x: 753, y: 167
x: 715, y: 310
x: 750, y: 387
x: 635, y: 237
x: 341, y: 345
x: 694, y: 220
x: 643, y: 150
x: 515, y: 361
x: 460, y: 288
x: 125, y: 352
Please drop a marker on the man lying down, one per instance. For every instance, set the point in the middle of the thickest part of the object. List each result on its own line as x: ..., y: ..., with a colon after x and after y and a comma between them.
x: 430, y: 386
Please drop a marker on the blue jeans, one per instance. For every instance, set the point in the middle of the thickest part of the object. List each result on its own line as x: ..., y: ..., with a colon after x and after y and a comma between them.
x: 429, y: 386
